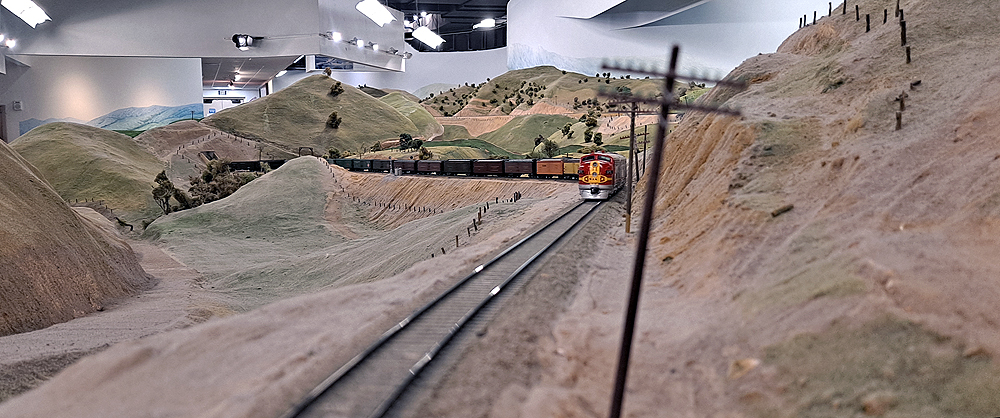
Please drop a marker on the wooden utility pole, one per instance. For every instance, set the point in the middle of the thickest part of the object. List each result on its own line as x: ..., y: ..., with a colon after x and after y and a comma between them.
x: 642, y: 241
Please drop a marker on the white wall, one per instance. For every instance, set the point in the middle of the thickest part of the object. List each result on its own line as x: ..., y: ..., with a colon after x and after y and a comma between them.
x: 714, y: 36
x: 198, y: 28
x: 423, y: 69
x: 224, y: 98
x: 84, y: 88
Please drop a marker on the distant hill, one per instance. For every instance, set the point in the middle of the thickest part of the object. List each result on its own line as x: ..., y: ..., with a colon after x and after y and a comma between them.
x: 522, y: 89
x: 296, y: 117
x: 128, y: 119
x: 427, y: 125
x: 84, y: 162
x: 425, y: 91
x: 143, y: 118
x: 518, y: 135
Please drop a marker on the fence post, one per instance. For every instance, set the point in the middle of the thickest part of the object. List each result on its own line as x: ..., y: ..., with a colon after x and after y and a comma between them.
x: 868, y: 23
x: 902, y: 29
x: 907, y: 54
x: 899, y: 120
x: 857, y: 13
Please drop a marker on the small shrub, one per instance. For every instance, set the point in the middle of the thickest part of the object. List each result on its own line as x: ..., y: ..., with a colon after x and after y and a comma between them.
x: 333, y: 122
x: 336, y: 89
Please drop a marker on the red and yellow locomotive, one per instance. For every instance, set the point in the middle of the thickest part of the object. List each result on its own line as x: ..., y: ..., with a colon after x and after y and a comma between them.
x: 601, y: 175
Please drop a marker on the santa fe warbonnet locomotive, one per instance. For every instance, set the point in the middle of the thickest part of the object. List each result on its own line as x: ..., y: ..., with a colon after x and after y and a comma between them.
x: 601, y: 175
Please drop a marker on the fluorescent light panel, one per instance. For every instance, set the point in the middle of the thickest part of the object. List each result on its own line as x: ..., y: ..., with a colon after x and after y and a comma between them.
x: 27, y: 10
x: 428, y: 37
x: 375, y: 11
x: 486, y: 23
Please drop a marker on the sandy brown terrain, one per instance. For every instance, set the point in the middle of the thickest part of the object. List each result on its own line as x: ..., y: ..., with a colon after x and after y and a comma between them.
x: 871, y: 295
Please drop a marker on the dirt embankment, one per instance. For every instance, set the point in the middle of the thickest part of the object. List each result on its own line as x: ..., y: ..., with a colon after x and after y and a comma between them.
x: 874, y: 293
x: 55, y: 265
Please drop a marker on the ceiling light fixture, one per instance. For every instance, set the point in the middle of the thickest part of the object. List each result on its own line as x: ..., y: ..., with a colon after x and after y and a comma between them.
x: 243, y: 42
x: 375, y: 11
x: 336, y: 36
x: 27, y: 10
x: 428, y: 37
x: 10, y: 43
x: 486, y: 24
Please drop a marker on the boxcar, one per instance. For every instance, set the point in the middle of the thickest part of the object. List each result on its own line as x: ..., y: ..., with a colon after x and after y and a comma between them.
x: 361, y: 165
x: 571, y: 166
x: 551, y: 168
x: 429, y: 166
x: 456, y: 167
x: 381, y: 165
x: 487, y: 167
x: 406, y: 166
x: 518, y: 168
x: 343, y: 162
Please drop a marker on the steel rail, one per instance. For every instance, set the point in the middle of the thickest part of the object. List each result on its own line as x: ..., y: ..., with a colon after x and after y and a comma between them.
x: 320, y: 390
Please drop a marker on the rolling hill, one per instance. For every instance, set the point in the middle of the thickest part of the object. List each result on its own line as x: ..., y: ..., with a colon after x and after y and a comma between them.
x: 427, y: 126
x: 296, y: 117
x: 83, y: 162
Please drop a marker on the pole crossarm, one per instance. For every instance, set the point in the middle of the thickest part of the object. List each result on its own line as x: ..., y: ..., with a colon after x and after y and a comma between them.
x: 674, y: 75
x: 672, y: 102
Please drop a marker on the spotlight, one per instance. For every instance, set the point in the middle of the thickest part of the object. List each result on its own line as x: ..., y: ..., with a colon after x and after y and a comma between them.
x: 243, y: 42
x: 428, y: 37
x: 27, y: 10
x: 336, y: 37
x: 10, y: 43
x: 486, y: 24
x: 375, y: 11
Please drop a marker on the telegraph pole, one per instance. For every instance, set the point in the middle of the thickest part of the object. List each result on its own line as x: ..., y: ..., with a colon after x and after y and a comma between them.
x: 642, y: 241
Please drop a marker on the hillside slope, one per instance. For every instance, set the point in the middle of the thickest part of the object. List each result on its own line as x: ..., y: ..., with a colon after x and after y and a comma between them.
x: 55, y: 265
x: 427, y: 126
x: 873, y: 295
x: 83, y: 162
x: 296, y: 117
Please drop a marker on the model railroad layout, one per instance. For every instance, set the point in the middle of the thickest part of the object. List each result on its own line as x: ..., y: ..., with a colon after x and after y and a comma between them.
x: 369, y: 384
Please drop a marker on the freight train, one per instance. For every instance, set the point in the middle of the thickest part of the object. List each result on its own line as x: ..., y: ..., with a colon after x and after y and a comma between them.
x: 599, y: 174
x: 559, y: 168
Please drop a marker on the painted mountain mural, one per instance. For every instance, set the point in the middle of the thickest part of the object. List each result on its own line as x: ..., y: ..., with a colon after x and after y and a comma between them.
x: 129, y: 118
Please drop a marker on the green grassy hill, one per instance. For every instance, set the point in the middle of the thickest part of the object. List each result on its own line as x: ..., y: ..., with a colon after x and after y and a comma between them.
x: 518, y: 135
x: 453, y: 132
x: 296, y: 117
x: 83, y: 162
x: 427, y: 126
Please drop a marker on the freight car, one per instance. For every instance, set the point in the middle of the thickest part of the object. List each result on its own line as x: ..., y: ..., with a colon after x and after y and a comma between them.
x: 601, y: 175
x: 551, y: 168
x: 405, y: 166
x: 519, y: 168
x: 429, y: 167
x: 487, y: 168
x: 384, y: 166
x: 457, y: 167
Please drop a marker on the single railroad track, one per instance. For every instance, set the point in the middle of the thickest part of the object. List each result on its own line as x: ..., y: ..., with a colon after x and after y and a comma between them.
x: 369, y: 384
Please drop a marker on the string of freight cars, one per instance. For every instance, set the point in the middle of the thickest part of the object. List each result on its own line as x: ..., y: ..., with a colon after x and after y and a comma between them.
x: 554, y: 168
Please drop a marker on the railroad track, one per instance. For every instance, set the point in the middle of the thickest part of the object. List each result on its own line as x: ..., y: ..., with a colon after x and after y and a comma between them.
x: 369, y: 384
